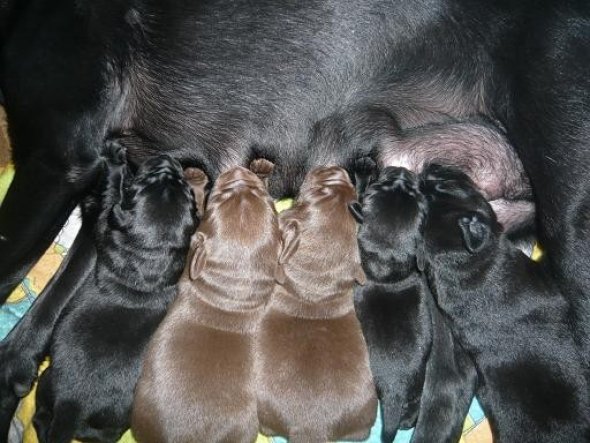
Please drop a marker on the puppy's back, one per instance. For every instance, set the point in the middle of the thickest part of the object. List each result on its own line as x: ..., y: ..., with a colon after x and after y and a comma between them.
x: 197, y: 381
x: 324, y: 390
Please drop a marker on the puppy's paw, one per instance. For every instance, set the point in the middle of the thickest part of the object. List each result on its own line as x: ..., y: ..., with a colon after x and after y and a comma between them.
x: 17, y: 374
x: 197, y: 180
x: 364, y: 170
x: 262, y: 168
x: 365, y: 165
x: 195, y: 176
x: 115, y: 153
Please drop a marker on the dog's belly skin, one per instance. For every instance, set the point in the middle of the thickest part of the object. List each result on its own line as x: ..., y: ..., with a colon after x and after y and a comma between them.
x: 211, y: 97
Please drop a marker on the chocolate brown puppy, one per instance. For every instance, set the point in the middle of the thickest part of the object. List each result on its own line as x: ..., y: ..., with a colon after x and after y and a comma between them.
x: 197, y: 383
x: 314, y: 380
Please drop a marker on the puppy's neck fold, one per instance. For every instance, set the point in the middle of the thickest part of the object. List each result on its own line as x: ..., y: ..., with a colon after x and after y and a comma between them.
x: 329, y: 307
x: 219, y: 286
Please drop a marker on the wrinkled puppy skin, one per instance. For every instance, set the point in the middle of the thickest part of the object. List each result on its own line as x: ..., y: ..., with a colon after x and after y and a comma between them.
x: 142, y: 234
x: 322, y: 389
x: 197, y: 382
x: 420, y: 374
x: 509, y: 316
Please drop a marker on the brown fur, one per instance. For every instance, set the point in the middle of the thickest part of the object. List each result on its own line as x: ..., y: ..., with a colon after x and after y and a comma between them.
x: 314, y: 381
x: 198, y: 181
x: 197, y: 383
x: 4, y: 142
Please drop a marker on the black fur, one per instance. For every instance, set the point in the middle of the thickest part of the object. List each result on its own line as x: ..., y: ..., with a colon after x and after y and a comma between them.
x: 508, y: 315
x: 214, y: 84
x: 103, y: 323
x: 28, y: 343
x: 421, y: 375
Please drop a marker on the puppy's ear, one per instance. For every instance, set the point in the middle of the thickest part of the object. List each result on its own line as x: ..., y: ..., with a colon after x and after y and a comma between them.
x: 359, y: 275
x: 476, y: 232
x: 262, y: 168
x: 280, y: 274
x: 119, y: 216
x: 290, y: 239
x: 356, y: 210
x: 198, y: 181
x: 420, y: 255
x: 199, y: 257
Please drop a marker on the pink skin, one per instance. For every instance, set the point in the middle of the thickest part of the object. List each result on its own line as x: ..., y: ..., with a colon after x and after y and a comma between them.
x: 481, y: 151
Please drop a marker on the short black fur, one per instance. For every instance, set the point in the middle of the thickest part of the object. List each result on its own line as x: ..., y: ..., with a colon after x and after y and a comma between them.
x: 140, y: 244
x: 508, y: 315
x: 422, y: 377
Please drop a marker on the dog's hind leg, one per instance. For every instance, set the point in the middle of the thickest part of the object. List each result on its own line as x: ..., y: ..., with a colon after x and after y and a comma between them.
x: 8, y: 404
x: 25, y: 346
x: 36, y: 207
x: 391, y: 412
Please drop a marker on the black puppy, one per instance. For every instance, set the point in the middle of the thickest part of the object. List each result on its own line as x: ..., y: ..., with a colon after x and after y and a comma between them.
x: 141, y: 239
x: 508, y: 315
x: 420, y: 374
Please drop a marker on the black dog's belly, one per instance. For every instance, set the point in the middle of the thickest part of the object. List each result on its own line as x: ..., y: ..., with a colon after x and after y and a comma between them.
x: 215, y: 102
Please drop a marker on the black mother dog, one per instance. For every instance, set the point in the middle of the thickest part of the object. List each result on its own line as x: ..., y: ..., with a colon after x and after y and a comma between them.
x: 142, y: 235
x: 508, y: 315
x: 218, y: 83
x: 422, y: 377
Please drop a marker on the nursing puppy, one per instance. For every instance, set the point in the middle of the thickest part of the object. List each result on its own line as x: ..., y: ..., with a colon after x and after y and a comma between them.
x: 28, y: 343
x: 420, y: 374
x: 142, y: 236
x: 508, y: 315
x: 322, y: 388
x: 197, y: 382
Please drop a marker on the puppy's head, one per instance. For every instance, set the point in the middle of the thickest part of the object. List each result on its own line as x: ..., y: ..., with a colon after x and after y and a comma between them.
x: 157, y: 206
x: 391, y: 218
x: 320, y: 252
x: 238, y: 234
x: 460, y: 222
